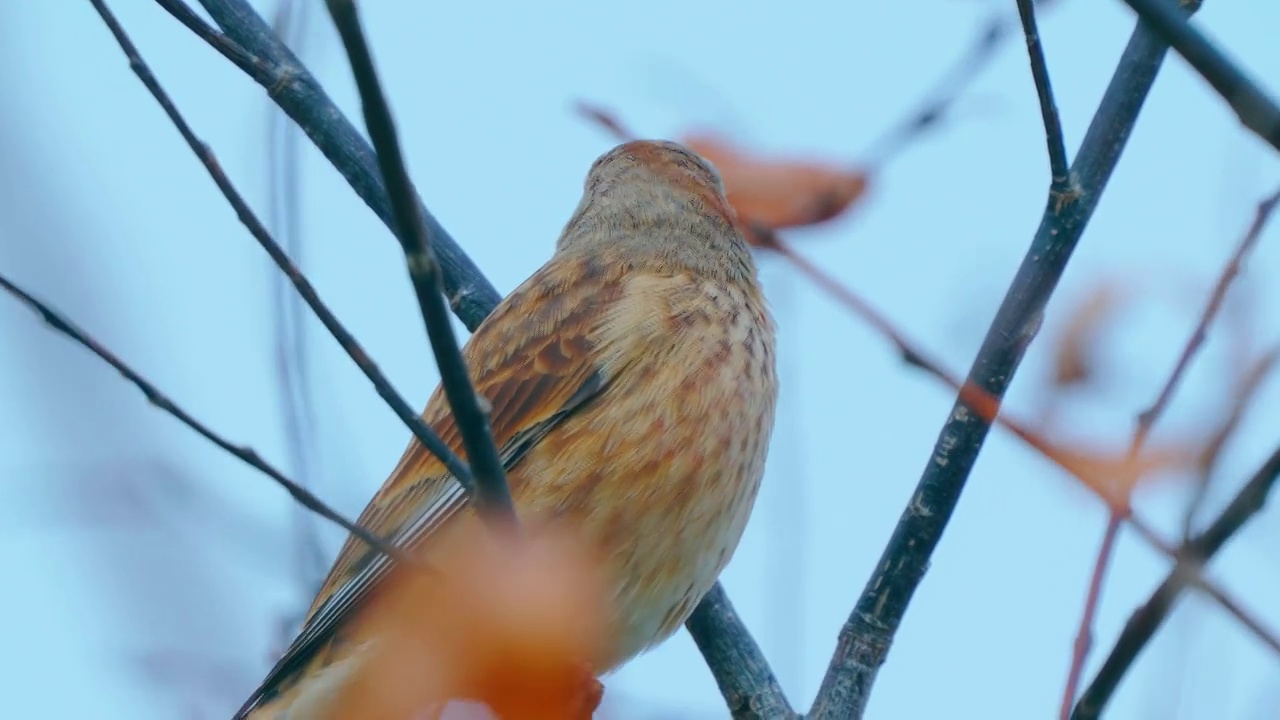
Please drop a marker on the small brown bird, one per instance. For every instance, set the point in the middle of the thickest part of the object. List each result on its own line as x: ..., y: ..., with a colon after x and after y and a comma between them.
x: 632, y: 381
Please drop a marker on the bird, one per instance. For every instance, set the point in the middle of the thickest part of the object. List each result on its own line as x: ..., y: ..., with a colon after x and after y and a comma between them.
x: 631, y: 383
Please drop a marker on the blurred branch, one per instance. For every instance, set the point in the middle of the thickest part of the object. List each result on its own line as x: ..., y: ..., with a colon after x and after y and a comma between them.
x: 1212, y: 453
x: 866, y: 636
x: 297, y: 92
x: 1084, y: 629
x: 492, y: 496
x: 1044, y: 90
x: 160, y: 400
x: 938, y: 101
x: 1142, y: 431
x: 1147, y: 418
x: 1144, y: 623
x: 1256, y: 110
x: 292, y: 360
x: 411, y: 419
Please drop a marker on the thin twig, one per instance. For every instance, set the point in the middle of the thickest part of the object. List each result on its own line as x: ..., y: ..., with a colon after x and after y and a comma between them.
x: 1044, y: 90
x: 241, y: 58
x: 1144, y: 623
x: 1147, y: 418
x: 1254, y: 107
x: 288, y: 314
x: 297, y: 92
x: 944, y: 93
x: 865, y: 638
x: 386, y: 391
x: 1084, y: 633
x: 492, y: 496
x: 1142, y: 431
x: 64, y: 326
x: 1209, y: 458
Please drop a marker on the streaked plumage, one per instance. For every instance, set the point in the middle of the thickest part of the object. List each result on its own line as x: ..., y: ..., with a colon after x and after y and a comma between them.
x: 632, y: 382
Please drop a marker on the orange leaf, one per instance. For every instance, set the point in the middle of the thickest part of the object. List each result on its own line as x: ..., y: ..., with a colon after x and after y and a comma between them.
x: 779, y: 194
x: 513, y: 623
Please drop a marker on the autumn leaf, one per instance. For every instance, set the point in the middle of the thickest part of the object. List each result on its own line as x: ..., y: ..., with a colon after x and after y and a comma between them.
x: 512, y: 622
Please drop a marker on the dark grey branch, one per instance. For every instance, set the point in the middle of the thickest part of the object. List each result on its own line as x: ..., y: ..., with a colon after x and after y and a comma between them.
x: 492, y: 496
x: 1044, y: 90
x: 865, y: 638
x: 745, y: 679
x: 1255, y: 109
x: 296, y: 91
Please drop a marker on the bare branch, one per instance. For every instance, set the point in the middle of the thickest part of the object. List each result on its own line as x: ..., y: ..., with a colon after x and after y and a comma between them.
x: 296, y: 91
x: 251, y: 65
x: 1144, y: 623
x: 492, y: 495
x: 1084, y: 632
x: 986, y: 407
x: 1148, y: 417
x: 743, y: 675
x: 1142, y: 431
x: 64, y: 326
x: 866, y: 636
x: 1254, y: 107
x: 411, y: 419
x: 1209, y: 458
x: 938, y: 101
x: 1044, y: 90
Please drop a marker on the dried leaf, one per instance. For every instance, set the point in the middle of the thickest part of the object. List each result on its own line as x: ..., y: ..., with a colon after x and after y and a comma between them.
x: 513, y: 623
x: 1075, y: 350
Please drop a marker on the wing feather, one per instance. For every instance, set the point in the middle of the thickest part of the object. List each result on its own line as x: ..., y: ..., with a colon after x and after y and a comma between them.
x: 532, y: 359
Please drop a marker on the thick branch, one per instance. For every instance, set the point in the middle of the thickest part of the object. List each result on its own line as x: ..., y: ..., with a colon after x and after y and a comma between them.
x: 492, y: 496
x: 296, y: 91
x: 750, y: 689
x: 1255, y: 109
x: 864, y: 640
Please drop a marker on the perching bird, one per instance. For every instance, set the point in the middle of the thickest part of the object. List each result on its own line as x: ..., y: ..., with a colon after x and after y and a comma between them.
x: 632, y: 381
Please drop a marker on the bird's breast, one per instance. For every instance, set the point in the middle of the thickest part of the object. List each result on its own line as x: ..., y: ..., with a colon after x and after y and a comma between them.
x: 666, y: 463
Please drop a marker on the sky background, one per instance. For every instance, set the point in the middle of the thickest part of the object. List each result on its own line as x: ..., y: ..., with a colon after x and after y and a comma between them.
x: 148, y: 572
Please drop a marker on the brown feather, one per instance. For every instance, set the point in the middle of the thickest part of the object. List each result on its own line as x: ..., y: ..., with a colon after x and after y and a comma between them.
x: 633, y: 384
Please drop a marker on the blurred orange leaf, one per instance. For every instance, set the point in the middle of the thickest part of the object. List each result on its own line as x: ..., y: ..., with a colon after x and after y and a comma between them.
x: 513, y: 622
x: 1074, y: 356
x: 1115, y: 475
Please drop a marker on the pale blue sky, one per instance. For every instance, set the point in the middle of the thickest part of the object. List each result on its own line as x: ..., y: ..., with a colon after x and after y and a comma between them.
x: 128, y: 537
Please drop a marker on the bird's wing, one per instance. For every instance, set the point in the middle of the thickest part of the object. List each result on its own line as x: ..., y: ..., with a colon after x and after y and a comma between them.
x: 531, y: 359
